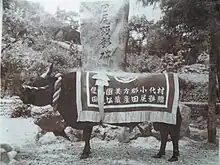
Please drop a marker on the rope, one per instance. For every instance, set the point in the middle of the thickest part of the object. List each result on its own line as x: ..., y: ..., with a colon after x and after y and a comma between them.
x: 57, y: 90
x: 36, y: 88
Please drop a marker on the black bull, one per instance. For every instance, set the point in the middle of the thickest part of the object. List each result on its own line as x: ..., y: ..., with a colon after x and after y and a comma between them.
x: 66, y: 106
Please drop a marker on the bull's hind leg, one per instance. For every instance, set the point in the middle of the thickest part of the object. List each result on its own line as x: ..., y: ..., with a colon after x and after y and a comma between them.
x: 161, y: 152
x: 86, y: 135
x: 175, y: 140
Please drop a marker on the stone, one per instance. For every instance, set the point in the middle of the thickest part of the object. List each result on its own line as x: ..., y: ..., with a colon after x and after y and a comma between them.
x: 74, y: 134
x: 5, y: 146
x: 124, y: 136
x: 198, y: 135
x: 150, y: 64
x: 4, y: 156
x: 186, y: 119
x: 104, y: 33
x: 203, y: 58
x: 12, y: 154
x: 50, y: 122
x: 195, y: 68
x: 199, y: 119
x: 203, y: 124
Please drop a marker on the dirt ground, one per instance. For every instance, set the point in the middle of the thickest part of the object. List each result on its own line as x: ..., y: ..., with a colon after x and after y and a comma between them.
x: 137, y: 152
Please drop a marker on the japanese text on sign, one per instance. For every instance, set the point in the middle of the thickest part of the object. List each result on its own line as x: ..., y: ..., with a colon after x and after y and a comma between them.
x: 105, y: 31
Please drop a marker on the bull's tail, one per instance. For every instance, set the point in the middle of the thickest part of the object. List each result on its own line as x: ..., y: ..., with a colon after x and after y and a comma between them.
x: 178, y: 122
x: 178, y: 117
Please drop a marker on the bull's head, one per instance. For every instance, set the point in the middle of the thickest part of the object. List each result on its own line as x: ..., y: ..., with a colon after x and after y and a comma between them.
x: 40, y: 91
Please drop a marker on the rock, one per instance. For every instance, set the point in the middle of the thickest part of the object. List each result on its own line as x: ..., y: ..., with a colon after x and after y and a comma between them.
x: 104, y: 33
x: 195, y: 68
x: 124, y: 136
x: 6, y: 147
x: 74, y: 134
x: 17, y: 149
x: 199, y: 123
x: 203, y: 58
x: 21, y: 111
x: 4, y: 156
x: 108, y: 132
x: 198, y: 135
x: 203, y: 124
x: 171, y: 63
x: 156, y: 134
x: 15, y: 162
x: 50, y: 122
x: 146, y: 128
x: 12, y: 154
x: 150, y: 64
x: 37, y: 111
x: 186, y: 119
x: 8, y: 104
x: 199, y: 119
x: 48, y: 138
x: 135, y: 133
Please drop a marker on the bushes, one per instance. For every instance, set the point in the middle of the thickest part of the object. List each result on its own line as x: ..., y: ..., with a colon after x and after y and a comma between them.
x: 21, y: 111
x: 171, y: 63
x: 148, y: 63
x: 26, y: 45
x: 22, y: 63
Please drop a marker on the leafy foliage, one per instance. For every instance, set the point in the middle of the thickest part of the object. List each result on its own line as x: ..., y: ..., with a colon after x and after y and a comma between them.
x: 139, y: 28
x: 26, y: 42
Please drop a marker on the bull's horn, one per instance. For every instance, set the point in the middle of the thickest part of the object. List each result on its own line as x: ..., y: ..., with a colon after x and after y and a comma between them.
x: 48, y: 72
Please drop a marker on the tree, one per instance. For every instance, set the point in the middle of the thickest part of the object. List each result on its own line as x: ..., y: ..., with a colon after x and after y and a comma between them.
x: 214, y: 57
x: 139, y: 28
x: 26, y: 43
x: 67, y: 18
x: 6, y: 4
x: 194, y: 17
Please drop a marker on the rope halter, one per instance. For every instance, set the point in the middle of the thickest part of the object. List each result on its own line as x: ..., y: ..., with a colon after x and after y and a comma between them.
x: 36, y: 88
x: 57, y: 90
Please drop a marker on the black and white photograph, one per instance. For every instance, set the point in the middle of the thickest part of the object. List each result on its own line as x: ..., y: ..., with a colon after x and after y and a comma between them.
x: 110, y: 82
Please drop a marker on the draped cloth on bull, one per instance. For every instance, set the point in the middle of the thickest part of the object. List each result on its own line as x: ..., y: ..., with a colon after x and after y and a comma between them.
x: 129, y: 97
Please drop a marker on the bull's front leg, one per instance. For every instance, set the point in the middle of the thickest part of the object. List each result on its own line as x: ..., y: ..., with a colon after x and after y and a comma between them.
x: 39, y: 134
x: 164, y: 136
x: 86, y: 135
x: 61, y: 133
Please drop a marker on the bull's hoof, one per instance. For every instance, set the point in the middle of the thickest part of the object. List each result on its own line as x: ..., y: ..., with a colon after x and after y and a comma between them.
x: 173, y: 159
x: 84, y: 155
x: 159, y: 155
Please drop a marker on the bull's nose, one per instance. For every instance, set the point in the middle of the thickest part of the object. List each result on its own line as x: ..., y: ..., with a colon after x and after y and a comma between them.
x: 22, y: 98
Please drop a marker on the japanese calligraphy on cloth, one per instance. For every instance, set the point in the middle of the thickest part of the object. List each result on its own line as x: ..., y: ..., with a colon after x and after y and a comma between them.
x: 129, y: 98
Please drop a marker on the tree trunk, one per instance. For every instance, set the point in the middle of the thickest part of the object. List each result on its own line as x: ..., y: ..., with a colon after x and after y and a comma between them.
x: 212, y: 85
x: 218, y: 76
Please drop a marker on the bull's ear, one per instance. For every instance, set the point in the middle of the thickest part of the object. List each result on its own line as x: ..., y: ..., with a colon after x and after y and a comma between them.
x: 48, y: 72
